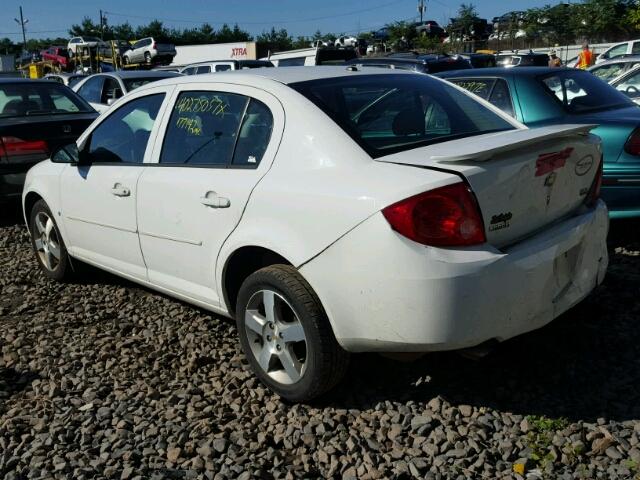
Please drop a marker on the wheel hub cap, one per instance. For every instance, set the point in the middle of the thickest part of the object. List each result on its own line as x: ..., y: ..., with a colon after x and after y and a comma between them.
x: 276, y: 337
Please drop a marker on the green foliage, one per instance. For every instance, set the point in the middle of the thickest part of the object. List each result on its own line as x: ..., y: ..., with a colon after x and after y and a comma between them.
x: 188, y: 36
x: 276, y: 40
x: 540, y: 436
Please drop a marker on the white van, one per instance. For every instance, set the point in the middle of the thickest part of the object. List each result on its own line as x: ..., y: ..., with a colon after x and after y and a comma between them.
x: 632, y: 47
x: 311, y: 56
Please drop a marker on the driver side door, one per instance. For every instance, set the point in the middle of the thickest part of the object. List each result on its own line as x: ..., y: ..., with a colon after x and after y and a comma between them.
x: 99, y: 194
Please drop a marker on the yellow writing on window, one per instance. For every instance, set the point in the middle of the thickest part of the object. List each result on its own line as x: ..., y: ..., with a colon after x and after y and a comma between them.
x: 213, y: 105
x: 191, y: 125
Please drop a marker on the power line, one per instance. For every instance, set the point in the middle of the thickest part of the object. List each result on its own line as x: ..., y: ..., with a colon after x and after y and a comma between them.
x: 265, y: 22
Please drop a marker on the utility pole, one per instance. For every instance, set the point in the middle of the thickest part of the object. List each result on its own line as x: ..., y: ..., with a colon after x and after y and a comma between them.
x: 22, y: 22
x: 101, y: 26
x: 422, y: 8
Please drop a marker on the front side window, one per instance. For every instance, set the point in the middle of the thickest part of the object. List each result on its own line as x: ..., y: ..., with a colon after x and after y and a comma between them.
x: 223, y: 68
x: 216, y: 129
x: 123, y: 136
x: 579, y: 92
x: 390, y: 113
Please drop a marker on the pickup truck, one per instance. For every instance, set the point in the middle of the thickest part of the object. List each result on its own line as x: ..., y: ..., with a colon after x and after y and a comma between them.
x: 57, y: 55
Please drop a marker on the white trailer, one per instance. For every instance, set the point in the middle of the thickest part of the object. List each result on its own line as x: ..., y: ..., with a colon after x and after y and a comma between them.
x: 188, y: 54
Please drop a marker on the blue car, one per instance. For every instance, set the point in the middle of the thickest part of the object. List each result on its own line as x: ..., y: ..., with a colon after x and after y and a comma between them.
x: 539, y: 96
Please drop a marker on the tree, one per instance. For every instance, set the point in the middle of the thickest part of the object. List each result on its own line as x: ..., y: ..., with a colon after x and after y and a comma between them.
x: 402, y: 35
x: 275, y: 40
x: 86, y: 29
x: 154, y: 29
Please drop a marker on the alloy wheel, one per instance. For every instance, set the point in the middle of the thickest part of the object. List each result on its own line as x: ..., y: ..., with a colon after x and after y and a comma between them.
x: 276, y: 336
x: 47, y: 241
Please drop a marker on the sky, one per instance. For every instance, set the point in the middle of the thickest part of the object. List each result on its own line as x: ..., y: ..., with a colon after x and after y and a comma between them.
x: 300, y: 17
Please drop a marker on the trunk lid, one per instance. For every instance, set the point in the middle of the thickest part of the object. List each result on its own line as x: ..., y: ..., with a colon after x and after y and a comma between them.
x: 523, y: 179
x: 55, y: 130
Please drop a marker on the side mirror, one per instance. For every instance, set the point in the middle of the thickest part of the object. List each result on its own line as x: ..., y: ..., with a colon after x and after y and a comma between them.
x: 66, y: 154
x: 111, y: 101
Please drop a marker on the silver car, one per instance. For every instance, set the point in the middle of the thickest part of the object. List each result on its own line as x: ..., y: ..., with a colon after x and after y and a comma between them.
x: 148, y: 50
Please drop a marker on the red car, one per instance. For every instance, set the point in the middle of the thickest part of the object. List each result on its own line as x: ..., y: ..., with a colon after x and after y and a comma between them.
x: 59, y: 55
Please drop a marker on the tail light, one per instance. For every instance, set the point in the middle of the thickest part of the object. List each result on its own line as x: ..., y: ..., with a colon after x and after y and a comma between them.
x: 14, y: 146
x: 632, y: 147
x: 594, y: 191
x: 154, y: 46
x: 445, y: 217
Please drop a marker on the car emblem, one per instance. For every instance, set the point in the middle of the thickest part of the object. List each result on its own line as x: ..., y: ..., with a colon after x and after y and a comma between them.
x: 584, y: 165
x: 66, y: 128
x: 548, y: 162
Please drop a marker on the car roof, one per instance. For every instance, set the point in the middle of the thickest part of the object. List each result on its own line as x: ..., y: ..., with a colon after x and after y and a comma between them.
x: 624, y: 59
x: 284, y: 75
x: 503, y: 72
x: 412, y: 61
x: 140, y: 74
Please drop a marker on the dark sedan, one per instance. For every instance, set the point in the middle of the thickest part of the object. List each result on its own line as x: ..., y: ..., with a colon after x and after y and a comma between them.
x: 539, y: 96
x: 36, y: 117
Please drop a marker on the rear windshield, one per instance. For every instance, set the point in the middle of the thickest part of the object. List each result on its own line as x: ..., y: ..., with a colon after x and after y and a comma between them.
x: 580, y: 92
x: 133, y: 83
x: 39, y: 98
x: 391, y: 113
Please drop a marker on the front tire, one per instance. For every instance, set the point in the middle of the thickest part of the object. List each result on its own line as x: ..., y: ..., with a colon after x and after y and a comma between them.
x: 286, y: 336
x: 147, y: 58
x: 50, y: 250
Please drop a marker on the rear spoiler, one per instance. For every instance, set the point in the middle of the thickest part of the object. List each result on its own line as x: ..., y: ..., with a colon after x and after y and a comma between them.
x: 473, y: 148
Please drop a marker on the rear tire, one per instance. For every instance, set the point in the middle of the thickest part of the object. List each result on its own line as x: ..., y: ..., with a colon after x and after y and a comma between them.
x: 286, y: 336
x: 125, y: 60
x: 48, y: 246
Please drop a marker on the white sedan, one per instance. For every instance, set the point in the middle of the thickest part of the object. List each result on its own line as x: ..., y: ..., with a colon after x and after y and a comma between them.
x: 329, y: 210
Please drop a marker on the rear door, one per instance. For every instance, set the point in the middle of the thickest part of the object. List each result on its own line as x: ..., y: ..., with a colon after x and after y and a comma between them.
x: 217, y: 142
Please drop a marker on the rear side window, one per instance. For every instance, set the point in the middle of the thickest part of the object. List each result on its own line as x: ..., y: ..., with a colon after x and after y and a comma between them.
x: 203, y: 69
x: 203, y: 128
x: 223, y: 68
x: 478, y: 86
x: 390, y: 113
x: 217, y: 129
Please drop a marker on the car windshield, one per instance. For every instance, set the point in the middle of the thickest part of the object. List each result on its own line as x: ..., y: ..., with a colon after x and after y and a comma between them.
x: 390, y: 113
x: 580, y: 92
x: 133, y: 83
x: 630, y: 84
x: 39, y: 98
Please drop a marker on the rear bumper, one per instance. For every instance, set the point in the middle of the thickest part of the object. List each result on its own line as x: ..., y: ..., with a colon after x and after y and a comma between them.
x: 383, y: 292
x: 12, y: 181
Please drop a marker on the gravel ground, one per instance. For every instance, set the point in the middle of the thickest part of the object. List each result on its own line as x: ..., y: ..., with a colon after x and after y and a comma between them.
x: 103, y: 379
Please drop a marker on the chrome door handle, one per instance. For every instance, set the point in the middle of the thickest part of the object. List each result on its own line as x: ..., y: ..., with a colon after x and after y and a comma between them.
x: 120, y: 191
x: 211, y: 199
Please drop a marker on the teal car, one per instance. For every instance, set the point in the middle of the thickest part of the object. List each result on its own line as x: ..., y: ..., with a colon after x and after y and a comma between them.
x: 543, y: 96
